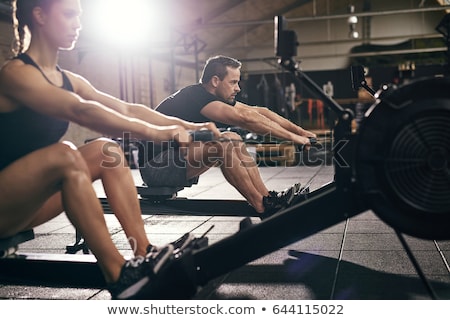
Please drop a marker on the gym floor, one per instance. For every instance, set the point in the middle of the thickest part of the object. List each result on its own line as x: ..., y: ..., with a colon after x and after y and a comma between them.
x: 360, y: 258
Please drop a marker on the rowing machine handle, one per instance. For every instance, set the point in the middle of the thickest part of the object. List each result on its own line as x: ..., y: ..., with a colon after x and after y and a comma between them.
x: 312, y: 141
x: 202, y: 135
x: 199, y: 135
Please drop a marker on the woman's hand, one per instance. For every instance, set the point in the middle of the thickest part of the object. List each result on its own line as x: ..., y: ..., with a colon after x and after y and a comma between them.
x: 211, y: 126
x: 181, y: 136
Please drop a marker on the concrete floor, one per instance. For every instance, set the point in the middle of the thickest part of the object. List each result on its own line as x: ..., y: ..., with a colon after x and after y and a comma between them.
x: 359, y: 258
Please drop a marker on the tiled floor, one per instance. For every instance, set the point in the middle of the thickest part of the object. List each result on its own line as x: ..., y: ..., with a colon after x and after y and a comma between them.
x: 358, y: 258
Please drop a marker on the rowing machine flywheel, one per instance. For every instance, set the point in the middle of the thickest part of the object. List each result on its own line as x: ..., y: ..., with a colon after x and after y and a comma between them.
x: 402, y: 164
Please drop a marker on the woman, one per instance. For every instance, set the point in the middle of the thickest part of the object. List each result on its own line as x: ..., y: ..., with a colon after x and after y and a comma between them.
x: 41, y: 177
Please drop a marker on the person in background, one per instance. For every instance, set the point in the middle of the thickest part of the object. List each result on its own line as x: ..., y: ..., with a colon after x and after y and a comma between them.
x: 41, y: 177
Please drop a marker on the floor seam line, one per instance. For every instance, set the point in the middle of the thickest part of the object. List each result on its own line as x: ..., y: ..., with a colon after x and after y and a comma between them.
x: 341, y: 251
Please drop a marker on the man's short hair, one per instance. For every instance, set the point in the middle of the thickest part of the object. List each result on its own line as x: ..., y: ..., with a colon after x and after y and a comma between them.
x: 217, y: 66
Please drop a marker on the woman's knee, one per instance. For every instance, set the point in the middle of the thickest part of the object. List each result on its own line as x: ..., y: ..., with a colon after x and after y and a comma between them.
x: 106, y: 153
x: 67, y: 157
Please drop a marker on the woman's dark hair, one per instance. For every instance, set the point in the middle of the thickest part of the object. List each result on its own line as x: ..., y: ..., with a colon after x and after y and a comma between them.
x: 23, y: 20
x: 217, y: 66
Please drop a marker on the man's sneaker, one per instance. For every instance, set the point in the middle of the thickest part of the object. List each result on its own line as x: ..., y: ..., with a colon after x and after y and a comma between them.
x: 301, y: 196
x: 137, y: 274
x: 286, y: 196
x: 271, y: 206
x: 277, y: 201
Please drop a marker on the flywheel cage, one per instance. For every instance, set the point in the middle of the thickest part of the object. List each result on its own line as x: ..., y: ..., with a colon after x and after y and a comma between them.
x: 403, y: 158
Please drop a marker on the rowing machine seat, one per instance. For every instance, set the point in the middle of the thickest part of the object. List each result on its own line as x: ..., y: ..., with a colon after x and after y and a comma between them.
x: 161, y: 193
x: 9, y: 246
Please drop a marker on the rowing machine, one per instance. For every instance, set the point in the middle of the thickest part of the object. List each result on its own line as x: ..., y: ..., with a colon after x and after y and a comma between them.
x: 398, y: 165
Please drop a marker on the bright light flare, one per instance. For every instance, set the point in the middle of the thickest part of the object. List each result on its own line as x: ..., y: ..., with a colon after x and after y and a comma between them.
x: 129, y: 23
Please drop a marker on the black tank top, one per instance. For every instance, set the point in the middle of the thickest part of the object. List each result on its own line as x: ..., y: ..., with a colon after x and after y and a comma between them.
x: 24, y: 130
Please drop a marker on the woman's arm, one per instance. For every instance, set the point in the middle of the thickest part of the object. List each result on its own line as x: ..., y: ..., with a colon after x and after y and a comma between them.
x: 25, y: 85
x: 133, y: 110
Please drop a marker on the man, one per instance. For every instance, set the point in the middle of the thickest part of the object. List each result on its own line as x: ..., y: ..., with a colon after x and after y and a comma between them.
x: 213, y: 99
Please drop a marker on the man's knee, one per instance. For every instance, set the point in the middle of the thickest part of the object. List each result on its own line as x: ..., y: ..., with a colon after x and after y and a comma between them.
x: 229, y: 142
x: 108, y: 152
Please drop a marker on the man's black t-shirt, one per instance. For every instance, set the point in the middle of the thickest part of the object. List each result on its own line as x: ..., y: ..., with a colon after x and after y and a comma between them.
x: 188, y: 103
x: 185, y: 104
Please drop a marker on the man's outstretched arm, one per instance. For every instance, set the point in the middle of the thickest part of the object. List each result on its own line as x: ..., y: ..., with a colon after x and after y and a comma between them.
x: 283, y: 122
x: 252, y: 119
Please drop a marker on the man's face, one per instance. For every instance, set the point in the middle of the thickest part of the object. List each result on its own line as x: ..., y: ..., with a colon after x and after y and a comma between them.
x: 228, y: 88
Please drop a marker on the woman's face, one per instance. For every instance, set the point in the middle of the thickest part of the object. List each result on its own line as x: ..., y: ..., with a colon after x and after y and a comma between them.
x: 61, y: 23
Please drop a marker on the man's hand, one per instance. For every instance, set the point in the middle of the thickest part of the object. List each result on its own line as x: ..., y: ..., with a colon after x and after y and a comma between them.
x: 308, y: 134
x: 305, y: 136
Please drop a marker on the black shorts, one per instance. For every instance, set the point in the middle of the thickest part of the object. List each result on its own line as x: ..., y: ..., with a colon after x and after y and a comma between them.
x: 166, y: 169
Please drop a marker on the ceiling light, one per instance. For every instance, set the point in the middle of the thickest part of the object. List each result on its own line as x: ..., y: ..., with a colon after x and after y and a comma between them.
x: 131, y: 23
x: 352, y: 19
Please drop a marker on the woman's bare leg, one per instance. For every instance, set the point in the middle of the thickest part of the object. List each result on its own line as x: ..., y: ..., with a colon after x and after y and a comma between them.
x: 29, y: 196
x: 106, y: 161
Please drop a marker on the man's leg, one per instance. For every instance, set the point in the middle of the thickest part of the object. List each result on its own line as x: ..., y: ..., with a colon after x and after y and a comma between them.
x: 237, y: 166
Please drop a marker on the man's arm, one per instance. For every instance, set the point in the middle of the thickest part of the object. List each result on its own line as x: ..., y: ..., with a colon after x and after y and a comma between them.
x: 256, y: 120
x: 285, y: 123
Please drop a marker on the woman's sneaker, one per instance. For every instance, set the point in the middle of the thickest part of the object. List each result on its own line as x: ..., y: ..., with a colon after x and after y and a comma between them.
x: 183, y: 242
x: 178, y: 245
x: 138, y: 274
x: 187, y: 240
